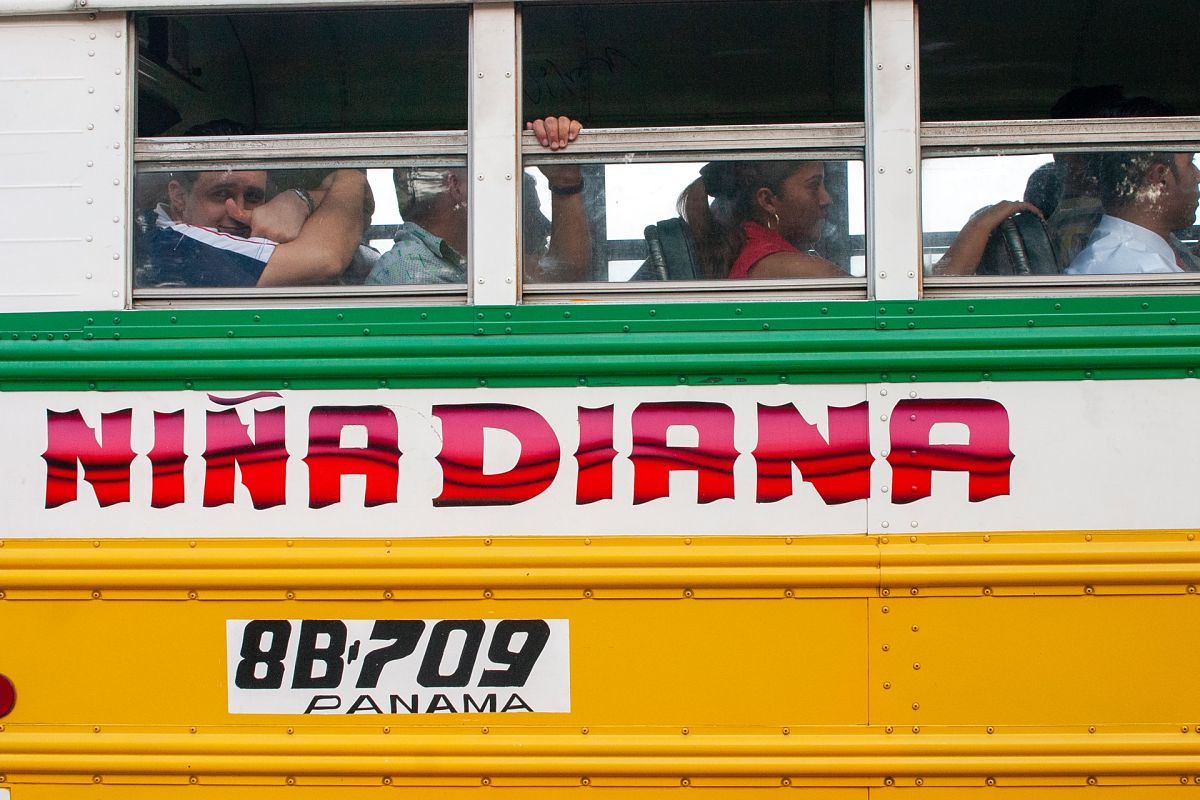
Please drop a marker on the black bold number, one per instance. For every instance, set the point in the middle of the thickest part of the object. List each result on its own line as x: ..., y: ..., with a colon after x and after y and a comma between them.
x: 405, y: 632
x: 253, y: 654
x: 520, y: 662
x: 309, y: 654
x: 431, y: 666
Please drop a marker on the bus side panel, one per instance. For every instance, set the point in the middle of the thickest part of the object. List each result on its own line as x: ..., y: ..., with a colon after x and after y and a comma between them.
x: 63, y: 167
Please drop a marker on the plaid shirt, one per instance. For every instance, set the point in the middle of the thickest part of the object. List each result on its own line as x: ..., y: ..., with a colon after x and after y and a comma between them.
x: 418, y: 257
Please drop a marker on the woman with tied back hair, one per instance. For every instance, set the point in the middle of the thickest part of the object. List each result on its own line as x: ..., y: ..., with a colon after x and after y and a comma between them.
x: 765, y: 217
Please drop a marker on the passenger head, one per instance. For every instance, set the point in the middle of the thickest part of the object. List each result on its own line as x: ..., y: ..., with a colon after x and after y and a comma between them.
x: 784, y: 196
x: 211, y: 199
x: 216, y: 199
x: 431, y: 195
x: 1159, y: 183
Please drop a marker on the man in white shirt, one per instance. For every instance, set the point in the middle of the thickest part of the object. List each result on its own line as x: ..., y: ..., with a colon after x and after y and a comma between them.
x: 1146, y: 196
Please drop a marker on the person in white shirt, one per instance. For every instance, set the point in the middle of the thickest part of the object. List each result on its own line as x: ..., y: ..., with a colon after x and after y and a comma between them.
x: 1146, y: 196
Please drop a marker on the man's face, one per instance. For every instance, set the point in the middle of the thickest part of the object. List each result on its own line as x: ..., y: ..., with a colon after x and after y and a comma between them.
x: 215, y: 197
x: 1185, y: 191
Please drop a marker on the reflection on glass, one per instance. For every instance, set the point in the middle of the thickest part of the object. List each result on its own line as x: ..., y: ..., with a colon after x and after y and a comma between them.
x: 254, y: 228
x: 716, y: 221
x: 641, y: 64
x: 1098, y: 213
x: 1017, y: 61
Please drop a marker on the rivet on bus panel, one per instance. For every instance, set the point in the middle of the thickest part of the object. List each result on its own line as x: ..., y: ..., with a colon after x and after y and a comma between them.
x: 884, y: 524
x: 687, y: 592
x: 916, y: 706
x: 786, y: 782
x: 889, y: 781
x: 886, y: 592
x: 1091, y: 729
x: 990, y: 730
x: 990, y: 781
x: 886, y: 648
x: 685, y: 731
x: 787, y: 731
x: 887, y: 685
x: 95, y: 778
x: 919, y: 781
x: 885, y: 609
x: 789, y: 593
x: 587, y: 592
x: 916, y: 728
x: 387, y: 595
x: 290, y: 781
x: 1191, y: 589
x: 685, y: 781
x: 585, y: 781
x: 290, y: 595
x: 485, y: 731
x: 1091, y: 781
x: 888, y: 729
x: 487, y: 594
x: 291, y: 731
x: 916, y: 666
x: 1088, y: 590
x: 486, y: 781
x: 1191, y: 537
x: 192, y: 595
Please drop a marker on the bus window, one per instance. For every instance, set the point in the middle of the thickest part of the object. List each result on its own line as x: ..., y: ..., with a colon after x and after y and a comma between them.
x: 314, y: 72
x: 694, y: 63
x: 1117, y: 212
x: 680, y: 221
x: 240, y: 228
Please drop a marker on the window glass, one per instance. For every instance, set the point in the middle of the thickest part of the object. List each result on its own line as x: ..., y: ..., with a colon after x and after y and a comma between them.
x: 244, y: 228
x: 313, y: 72
x: 980, y: 60
x: 1075, y: 213
x: 618, y: 222
x: 694, y: 63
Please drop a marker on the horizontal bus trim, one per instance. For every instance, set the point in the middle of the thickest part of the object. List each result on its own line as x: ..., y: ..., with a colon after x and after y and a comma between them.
x: 864, y: 755
x: 608, y: 344
x: 851, y: 563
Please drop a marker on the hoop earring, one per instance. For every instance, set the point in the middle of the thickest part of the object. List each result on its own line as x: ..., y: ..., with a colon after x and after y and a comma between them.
x: 776, y: 216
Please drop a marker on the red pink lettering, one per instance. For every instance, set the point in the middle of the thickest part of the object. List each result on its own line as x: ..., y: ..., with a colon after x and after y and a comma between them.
x: 789, y: 450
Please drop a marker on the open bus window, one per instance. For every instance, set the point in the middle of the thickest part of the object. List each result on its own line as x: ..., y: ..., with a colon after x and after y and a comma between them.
x: 983, y: 65
x: 246, y: 228
x: 312, y: 72
x: 680, y: 221
x: 694, y: 63
x: 1082, y: 213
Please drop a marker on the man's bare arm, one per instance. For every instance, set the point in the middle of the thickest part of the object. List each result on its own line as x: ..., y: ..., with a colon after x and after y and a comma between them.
x: 328, y: 239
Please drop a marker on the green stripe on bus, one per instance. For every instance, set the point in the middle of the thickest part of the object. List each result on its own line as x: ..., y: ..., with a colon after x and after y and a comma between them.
x: 605, y: 345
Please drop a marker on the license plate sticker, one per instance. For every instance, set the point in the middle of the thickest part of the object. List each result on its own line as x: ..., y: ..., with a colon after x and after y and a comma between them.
x: 398, y: 666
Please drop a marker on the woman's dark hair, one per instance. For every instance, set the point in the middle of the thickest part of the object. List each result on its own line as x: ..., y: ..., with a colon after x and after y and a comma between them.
x: 734, y: 186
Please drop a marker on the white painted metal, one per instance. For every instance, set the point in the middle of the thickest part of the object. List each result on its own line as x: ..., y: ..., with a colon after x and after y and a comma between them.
x: 893, y: 152
x: 847, y: 137
x: 494, y: 169
x: 63, y: 162
x: 1088, y: 455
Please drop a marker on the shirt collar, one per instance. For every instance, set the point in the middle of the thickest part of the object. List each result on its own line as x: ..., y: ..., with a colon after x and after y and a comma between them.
x: 435, y: 244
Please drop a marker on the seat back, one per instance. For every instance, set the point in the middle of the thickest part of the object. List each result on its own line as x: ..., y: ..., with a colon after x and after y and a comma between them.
x: 1020, y: 245
x: 671, y: 253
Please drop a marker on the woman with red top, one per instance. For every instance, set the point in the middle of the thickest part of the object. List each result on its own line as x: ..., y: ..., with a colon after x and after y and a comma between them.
x: 767, y: 215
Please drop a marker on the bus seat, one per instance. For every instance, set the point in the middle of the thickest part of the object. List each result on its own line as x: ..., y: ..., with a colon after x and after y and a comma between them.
x: 1020, y: 245
x: 672, y: 253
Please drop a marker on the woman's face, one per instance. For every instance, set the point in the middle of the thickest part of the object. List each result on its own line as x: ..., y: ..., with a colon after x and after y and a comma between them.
x: 801, y: 204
